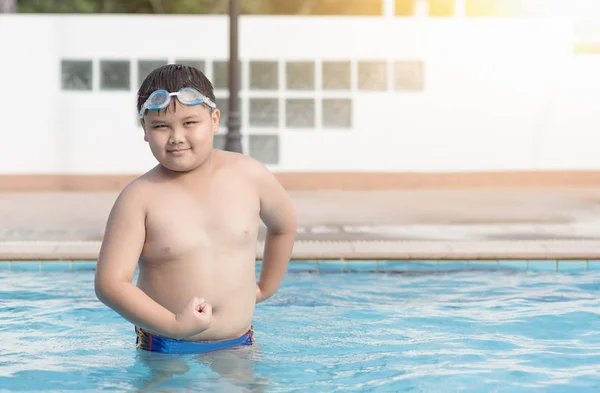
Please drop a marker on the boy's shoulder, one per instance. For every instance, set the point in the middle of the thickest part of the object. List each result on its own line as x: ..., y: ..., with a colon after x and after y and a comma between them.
x: 139, y: 186
x: 241, y: 164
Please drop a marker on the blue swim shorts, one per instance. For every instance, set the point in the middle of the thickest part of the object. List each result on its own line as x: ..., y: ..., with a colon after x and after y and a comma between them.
x: 153, y: 343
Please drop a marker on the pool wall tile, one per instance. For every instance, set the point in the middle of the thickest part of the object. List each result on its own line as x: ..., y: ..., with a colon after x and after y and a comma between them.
x: 52, y: 266
x: 25, y: 266
x: 363, y: 266
x: 83, y: 265
x: 513, y: 265
x: 332, y: 266
x: 392, y: 266
x: 572, y: 266
x: 484, y: 265
x: 452, y: 265
x: 594, y: 264
x: 421, y: 266
x: 342, y: 266
x: 302, y: 266
x: 541, y: 265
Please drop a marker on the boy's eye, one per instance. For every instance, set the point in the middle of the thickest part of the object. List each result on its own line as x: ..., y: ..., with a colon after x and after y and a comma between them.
x: 187, y: 123
x: 160, y: 126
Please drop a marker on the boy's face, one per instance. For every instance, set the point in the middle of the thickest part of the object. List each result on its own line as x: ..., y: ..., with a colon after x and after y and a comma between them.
x: 181, y: 137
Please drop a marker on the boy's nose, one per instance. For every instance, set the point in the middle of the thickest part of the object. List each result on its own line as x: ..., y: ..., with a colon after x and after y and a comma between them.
x: 176, y: 136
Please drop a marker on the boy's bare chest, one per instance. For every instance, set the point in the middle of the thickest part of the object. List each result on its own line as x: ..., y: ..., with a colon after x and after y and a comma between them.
x: 180, y: 225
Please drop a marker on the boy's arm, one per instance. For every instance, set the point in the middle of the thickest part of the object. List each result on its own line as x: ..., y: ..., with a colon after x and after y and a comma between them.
x: 121, y: 248
x: 277, y: 212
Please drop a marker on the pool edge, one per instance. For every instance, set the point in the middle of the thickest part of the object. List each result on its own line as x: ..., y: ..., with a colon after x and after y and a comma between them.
x: 576, y: 250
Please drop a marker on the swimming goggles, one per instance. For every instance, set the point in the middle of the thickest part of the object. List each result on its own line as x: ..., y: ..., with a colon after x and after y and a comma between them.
x: 160, y: 99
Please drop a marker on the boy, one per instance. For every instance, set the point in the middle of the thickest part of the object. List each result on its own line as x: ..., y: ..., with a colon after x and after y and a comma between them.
x: 192, y: 224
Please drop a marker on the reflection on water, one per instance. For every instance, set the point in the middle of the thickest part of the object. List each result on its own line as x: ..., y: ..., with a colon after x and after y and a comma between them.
x: 231, y: 370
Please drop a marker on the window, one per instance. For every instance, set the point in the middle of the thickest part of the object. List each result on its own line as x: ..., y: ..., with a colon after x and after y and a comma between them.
x: 441, y: 7
x: 264, y: 112
x: 264, y: 75
x: 220, y: 78
x: 586, y: 48
x: 300, y: 112
x: 337, y: 113
x: 115, y: 75
x: 492, y: 8
x: 76, y: 75
x: 223, y: 107
x: 408, y: 75
x: 372, y: 75
x: 405, y: 7
x: 145, y: 67
x: 336, y: 75
x: 300, y: 75
x: 198, y: 64
x: 219, y: 141
x: 264, y: 148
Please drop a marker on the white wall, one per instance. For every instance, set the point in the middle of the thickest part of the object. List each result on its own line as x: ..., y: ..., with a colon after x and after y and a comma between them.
x: 504, y: 94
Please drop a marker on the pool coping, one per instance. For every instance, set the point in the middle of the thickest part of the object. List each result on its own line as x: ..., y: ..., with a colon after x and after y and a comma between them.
x: 350, y: 250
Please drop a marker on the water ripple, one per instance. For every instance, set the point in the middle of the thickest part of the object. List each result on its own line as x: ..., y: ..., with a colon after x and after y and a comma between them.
x: 472, y: 331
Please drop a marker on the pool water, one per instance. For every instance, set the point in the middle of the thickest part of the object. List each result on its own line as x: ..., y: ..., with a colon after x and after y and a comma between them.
x: 492, y: 331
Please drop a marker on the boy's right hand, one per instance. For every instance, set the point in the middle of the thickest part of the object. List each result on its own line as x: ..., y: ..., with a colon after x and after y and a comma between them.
x: 194, y: 318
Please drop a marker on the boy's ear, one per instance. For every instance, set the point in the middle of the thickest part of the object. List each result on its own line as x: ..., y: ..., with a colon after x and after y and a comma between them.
x: 216, y: 118
x: 144, y: 127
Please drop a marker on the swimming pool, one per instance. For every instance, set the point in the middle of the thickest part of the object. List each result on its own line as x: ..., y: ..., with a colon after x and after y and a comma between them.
x: 476, y: 331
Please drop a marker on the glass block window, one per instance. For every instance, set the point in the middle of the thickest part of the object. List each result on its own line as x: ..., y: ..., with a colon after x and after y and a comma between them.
x: 300, y: 75
x: 76, y: 75
x: 300, y: 112
x: 115, y: 75
x: 441, y: 8
x: 220, y: 78
x: 223, y: 106
x: 405, y: 7
x: 337, y: 113
x: 264, y: 75
x: 264, y: 112
x: 145, y: 67
x: 372, y: 75
x: 492, y: 8
x: 264, y: 148
x: 198, y: 64
x: 408, y: 75
x: 336, y: 75
x: 219, y: 141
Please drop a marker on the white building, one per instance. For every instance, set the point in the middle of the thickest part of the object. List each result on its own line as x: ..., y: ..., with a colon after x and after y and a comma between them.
x: 375, y: 94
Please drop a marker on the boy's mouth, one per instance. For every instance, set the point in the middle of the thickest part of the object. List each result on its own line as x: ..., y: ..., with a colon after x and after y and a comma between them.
x: 177, y: 151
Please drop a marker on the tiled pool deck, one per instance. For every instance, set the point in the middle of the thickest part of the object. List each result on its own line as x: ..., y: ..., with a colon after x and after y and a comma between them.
x: 398, y: 231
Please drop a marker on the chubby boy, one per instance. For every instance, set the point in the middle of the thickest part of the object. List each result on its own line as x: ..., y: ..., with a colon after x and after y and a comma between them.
x: 191, y: 224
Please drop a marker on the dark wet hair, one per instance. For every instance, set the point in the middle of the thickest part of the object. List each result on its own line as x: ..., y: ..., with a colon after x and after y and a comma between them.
x: 172, y: 77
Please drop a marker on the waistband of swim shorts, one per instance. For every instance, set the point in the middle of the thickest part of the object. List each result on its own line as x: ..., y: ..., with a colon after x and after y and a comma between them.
x: 153, y: 343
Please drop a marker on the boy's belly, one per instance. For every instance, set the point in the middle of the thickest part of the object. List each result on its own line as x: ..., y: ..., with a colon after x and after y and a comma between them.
x: 230, y: 321
x: 228, y: 286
